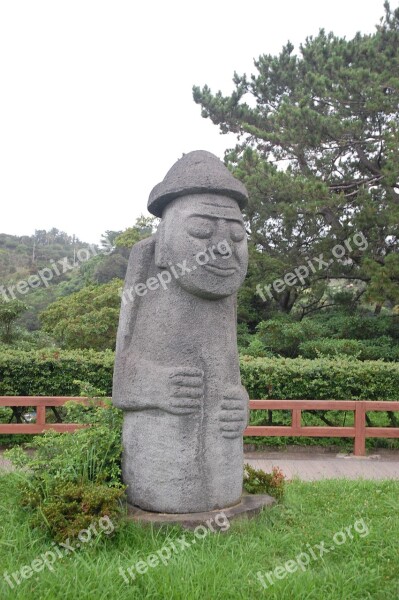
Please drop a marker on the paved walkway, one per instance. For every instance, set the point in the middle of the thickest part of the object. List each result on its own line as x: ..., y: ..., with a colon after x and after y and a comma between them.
x: 310, y: 466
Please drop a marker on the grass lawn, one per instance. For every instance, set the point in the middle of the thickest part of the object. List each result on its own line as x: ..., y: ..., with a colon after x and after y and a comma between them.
x: 362, y: 564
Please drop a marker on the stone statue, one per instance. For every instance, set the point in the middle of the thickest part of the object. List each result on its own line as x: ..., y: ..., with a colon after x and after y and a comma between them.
x: 177, y: 372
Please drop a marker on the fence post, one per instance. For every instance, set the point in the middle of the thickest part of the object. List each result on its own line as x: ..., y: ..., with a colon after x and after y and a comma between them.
x: 40, y: 415
x: 360, y: 429
x: 296, y: 419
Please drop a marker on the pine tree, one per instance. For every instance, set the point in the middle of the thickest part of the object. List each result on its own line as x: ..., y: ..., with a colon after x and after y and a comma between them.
x: 318, y: 148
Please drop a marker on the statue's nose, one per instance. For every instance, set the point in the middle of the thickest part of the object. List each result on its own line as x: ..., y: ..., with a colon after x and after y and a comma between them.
x: 222, y: 232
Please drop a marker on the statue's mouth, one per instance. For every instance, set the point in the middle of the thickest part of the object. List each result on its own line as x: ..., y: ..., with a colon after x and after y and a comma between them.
x: 221, y: 271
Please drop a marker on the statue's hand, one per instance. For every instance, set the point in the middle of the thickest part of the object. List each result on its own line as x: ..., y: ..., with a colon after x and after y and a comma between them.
x: 234, y: 414
x: 186, y: 390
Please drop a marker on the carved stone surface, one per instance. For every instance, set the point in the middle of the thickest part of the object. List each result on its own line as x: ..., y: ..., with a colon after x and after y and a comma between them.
x: 176, y: 371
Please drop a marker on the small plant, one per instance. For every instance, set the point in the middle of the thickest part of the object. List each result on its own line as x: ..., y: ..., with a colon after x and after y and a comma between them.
x: 72, y: 478
x: 257, y: 481
x: 89, y: 454
x: 73, y: 507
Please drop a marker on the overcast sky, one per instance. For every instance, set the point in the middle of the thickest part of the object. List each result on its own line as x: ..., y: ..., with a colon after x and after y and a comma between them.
x: 96, y: 102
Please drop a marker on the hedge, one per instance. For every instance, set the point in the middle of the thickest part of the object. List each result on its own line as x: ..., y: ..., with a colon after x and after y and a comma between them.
x: 320, y: 379
x: 52, y: 373
x: 382, y: 348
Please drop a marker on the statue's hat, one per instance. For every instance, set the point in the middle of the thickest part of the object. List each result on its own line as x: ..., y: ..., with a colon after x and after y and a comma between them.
x: 197, y: 172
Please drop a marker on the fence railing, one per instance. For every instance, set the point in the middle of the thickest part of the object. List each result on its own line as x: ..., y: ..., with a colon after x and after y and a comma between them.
x: 359, y: 431
x: 19, y: 405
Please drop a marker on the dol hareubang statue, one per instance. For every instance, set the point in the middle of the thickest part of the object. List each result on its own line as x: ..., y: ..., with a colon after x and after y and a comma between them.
x: 177, y: 372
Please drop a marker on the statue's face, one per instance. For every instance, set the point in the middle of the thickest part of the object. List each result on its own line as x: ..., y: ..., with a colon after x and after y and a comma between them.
x: 202, y: 237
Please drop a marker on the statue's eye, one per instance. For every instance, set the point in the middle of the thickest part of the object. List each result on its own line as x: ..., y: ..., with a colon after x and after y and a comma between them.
x: 200, y: 228
x: 237, y: 232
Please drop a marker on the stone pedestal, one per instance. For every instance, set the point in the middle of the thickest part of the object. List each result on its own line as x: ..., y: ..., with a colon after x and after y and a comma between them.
x: 248, y: 507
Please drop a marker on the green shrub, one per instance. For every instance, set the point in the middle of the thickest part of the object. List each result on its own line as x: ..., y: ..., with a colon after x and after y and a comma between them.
x: 5, y: 414
x: 73, y: 507
x: 382, y: 348
x: 330, y: 347
x: 342, y: 378
x: 243, y: 336
x: 324, y: 378
x: 257, y: 481
x: 358, y: 326
x: 70, y: 478
x: 257, y: 349
x: 89, y: 454
x: 53, y: 372
x: 284, y: 336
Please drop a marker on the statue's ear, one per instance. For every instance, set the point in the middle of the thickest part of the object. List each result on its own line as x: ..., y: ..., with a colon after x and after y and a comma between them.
x: 161, y: 258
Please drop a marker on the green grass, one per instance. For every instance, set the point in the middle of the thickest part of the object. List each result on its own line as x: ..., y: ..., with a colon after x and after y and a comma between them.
x: 224, y: 565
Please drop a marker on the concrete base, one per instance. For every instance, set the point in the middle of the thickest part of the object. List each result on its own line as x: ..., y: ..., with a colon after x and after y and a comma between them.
x: 249, y: 506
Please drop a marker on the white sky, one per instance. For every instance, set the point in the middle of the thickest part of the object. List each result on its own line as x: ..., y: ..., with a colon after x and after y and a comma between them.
x: 96, y: 102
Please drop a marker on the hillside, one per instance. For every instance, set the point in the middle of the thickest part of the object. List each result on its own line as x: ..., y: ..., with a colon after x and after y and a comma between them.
x: 22, y: 256
x: 47, y: 265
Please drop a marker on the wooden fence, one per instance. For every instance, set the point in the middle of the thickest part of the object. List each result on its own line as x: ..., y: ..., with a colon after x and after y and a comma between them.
x: 20, y: 404
x: 359, y: 432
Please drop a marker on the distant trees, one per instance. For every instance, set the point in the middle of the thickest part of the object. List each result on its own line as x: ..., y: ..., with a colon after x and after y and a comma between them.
x: 85, y: 319
x: 110, y: 267
x: 10, y: 311
x: 143, y: 228
x: 118, y: 245
x: 88, y: 320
